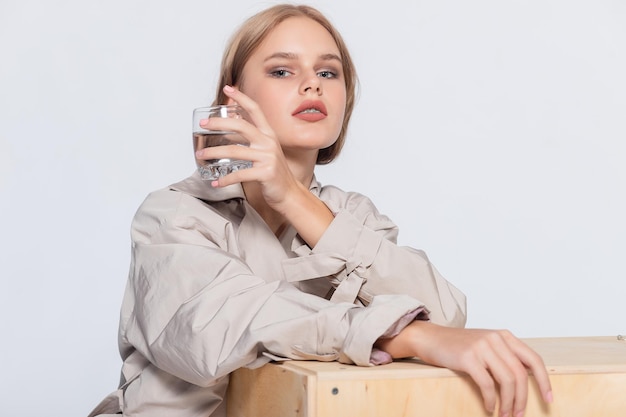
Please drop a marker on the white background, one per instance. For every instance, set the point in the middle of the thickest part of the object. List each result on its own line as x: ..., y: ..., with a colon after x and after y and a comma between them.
x: 492, y: 132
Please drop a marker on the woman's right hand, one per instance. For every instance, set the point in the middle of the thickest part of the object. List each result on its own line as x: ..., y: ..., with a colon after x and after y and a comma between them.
x: 494, y: 359
x: 269, y: 165
x: 279, y: 187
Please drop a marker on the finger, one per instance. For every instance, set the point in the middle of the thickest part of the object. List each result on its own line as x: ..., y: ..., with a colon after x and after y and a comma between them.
x: 516, y: 369
x: 519, y: 376
x: 239, y: 176
x: 535, y: 364
x: 486, y: 385
x: 500, y: 366
x: 228, y: 179
x: 252, y: 108
x: 227, y: 124
x: 226, y: 151
x: 247, y: 133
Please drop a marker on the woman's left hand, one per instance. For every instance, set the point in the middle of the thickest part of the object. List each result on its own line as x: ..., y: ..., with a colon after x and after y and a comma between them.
x: 497, y: 361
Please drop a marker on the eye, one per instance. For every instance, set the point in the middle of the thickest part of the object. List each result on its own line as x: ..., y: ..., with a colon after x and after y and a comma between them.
x: 279, y: 73
x: 327, y: 74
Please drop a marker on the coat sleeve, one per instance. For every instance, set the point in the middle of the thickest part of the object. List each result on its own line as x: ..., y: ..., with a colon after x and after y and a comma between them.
x: 360, y: 255
x: 197, y: 311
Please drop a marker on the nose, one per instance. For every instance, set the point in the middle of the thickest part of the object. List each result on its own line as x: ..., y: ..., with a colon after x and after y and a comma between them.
x: 311, y: 83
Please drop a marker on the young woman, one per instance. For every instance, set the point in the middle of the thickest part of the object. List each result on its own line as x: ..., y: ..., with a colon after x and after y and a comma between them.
x: 267, y: 263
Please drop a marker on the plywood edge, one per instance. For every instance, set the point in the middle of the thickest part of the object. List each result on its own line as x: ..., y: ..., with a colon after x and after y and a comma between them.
x: 576, y: 355
x: 270, y: 390
x: 399, y: 369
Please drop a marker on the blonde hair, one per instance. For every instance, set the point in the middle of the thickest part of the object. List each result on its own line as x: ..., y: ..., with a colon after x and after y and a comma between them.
x: 253, y: 31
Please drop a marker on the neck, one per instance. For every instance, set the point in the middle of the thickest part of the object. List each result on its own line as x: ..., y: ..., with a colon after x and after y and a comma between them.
x: 301, y: 165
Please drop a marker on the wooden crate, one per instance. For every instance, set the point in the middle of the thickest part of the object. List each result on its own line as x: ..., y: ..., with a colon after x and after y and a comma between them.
x: 588, y: 376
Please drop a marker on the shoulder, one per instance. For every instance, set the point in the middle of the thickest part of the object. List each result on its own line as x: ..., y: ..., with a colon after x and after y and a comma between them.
x: 357, y: 204
x: 167, y: 203
x: 169, y: 215
x: 189, y: 197
x: 344, y: 199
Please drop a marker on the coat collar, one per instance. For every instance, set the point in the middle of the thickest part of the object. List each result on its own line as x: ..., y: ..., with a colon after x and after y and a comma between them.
x: 252, y: 225
x: 196, y: 187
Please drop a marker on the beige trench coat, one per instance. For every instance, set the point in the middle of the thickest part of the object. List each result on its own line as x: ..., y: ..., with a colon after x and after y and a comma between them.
x: 211, y: 289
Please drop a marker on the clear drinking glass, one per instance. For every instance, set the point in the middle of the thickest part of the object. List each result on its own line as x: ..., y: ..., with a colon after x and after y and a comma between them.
x: 212, y: 169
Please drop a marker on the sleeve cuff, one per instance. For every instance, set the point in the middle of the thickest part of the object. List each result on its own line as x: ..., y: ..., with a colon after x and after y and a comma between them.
x: 385, y: 316
x: 346, y: 235
x: 380, y: 357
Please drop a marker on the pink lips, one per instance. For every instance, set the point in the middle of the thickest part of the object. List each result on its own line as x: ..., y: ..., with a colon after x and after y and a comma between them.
x: 310, y: 111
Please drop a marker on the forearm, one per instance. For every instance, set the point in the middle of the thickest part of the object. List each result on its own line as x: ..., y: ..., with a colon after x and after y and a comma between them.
x: 307, y: 214
x: 387, y: 268
x: 406, y: 343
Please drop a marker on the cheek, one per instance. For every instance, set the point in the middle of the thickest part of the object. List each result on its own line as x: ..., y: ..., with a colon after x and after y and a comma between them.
x: 339, y: 94
x: 341, y: 100
x: 270, y: 106
x: 266, y: 99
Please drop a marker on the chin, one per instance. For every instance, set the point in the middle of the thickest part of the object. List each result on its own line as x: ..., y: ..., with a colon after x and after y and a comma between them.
x: 308, y: 141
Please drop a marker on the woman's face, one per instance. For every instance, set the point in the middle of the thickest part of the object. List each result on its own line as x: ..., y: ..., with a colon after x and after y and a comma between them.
x: 296, y: 77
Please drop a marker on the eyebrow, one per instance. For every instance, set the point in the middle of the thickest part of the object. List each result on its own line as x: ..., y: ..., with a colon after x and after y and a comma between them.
x: 292, y: 56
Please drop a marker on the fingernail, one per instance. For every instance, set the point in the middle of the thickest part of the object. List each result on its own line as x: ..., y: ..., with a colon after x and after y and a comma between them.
x: 549, y: 397
x: 215, y: 183
x: 520, y: 414
x: 229, y: 89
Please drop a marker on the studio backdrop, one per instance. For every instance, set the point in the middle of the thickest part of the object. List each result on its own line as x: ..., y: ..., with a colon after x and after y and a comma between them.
x: 492, y: 132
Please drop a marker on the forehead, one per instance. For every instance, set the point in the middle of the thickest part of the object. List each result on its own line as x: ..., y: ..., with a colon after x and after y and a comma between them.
x: 298, y: 35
